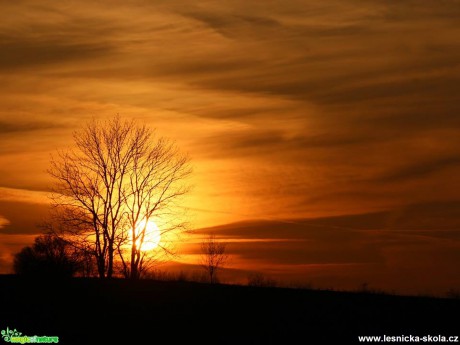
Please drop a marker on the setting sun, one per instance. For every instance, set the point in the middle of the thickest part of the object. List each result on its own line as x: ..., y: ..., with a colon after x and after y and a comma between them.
x: 152, y: 235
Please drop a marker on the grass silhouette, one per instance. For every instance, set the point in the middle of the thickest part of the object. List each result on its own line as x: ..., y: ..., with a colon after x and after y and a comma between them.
x: 91, y: 311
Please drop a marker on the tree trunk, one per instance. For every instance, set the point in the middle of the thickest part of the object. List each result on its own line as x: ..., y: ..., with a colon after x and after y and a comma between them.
x: 110, y: 263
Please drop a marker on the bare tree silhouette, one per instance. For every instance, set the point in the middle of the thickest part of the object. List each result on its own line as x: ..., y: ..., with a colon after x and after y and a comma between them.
x: 213, y: 257
x: 49, y: 256
x: 117, y: 180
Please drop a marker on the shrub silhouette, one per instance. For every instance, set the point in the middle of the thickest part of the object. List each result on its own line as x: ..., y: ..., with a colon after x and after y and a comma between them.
x: 49, y: 256
x: 259, y: 280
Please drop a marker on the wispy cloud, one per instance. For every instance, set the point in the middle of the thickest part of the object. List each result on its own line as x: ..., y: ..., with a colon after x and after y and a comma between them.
x: 290, y: 109
x: 388, y: 250
x: 14, y: 211
x: 422, y: 169
x: 14, y: 127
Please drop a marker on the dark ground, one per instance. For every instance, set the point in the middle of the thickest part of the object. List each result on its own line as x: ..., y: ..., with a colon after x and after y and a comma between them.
x: 90, y: 311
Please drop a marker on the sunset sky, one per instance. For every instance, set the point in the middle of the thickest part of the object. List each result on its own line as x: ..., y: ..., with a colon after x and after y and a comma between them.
x: 324, y: 136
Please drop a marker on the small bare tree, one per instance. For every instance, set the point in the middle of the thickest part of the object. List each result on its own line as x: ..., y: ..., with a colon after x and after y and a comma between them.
x: 213, y: 257
x: 117, y: 178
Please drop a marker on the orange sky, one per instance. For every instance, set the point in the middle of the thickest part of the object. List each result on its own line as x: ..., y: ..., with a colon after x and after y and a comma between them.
x: 290, y: 110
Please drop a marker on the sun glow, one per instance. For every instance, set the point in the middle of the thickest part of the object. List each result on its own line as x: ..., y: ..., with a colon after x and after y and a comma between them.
x: 152, y: 235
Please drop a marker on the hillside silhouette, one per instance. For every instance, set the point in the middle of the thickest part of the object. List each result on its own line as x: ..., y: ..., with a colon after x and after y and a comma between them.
x: 90, y: 311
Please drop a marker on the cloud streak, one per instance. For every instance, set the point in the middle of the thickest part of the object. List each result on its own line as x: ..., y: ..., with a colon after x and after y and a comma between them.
x: 392, y: 250
x: 15, y: 127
